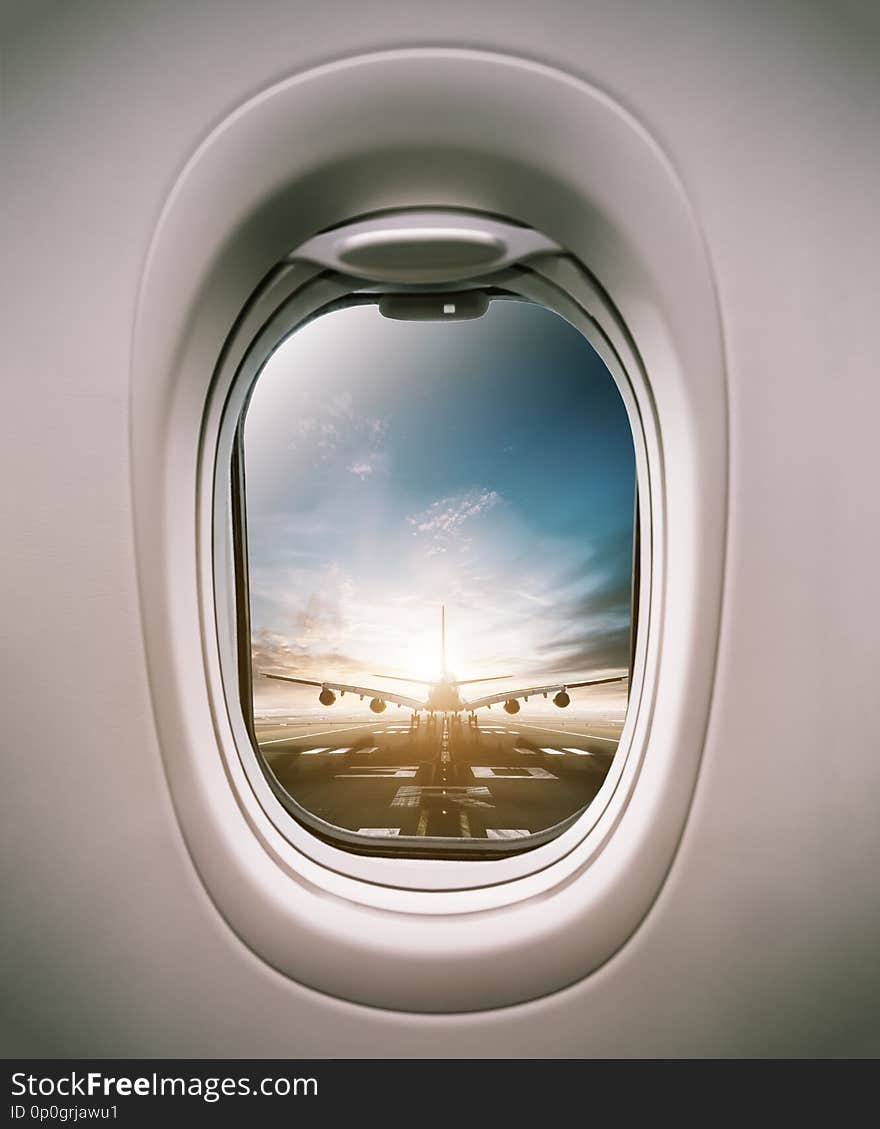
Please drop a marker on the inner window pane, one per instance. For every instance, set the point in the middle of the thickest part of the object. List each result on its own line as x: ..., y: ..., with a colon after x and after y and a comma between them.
x: 439, y: 520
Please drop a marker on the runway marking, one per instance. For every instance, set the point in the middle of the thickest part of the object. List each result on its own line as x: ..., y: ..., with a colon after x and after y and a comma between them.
x: 568, y: 733
x: 377, y: 773
x: 412, y: 795
x: 365, y: 750
x: 520, y: 772
x: 553, y: 752
x: 322, y: 733
x: 379, y: 831
x: 507, y: 832
x: 523, y: 751
x: 325, y: 751
x: 465, y: 824
x: 584, y: 752
x: 422, y: 828
x: 408, y: 796
x: 444, y: 743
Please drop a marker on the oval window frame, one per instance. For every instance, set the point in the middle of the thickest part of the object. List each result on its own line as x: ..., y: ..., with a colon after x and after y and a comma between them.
x: 299, y: 296
x: 218, y: 235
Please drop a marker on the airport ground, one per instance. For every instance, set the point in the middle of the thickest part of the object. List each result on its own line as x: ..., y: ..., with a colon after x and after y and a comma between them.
x: 493, y: 779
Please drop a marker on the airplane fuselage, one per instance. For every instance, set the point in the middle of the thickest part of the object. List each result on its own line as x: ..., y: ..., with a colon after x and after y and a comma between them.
x: 443, y: 697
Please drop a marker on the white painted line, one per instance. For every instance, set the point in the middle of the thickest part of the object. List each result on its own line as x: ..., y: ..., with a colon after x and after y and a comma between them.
x: 411, y: 795
x: 523, y: 751
x: 523, y: 772
x: 465, y: 824
x: 422, y: 828
x: 569, y: 733
x: 324, y: 750
x: 323, y: 733
x: 583, y: 752
x: 407, y: 796
x: 507, y: 832
x: 553, y: 752
x: 381, y: 832
x: 366, y: 769
x: 377, y: 774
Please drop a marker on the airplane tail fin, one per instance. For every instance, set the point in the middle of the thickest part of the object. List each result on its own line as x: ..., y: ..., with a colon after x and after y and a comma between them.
x: 463, y: 681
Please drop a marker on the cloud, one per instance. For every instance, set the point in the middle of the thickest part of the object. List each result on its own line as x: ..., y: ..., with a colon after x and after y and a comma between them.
x: 329, y: 435
x: 337, y: 426
x: 340, y: 405
x: 610, y: 553
x: 376, y: 429
x: 599, y: 648
x: 366, y: 465
x: 321, y: 614
x: 272, y: 653
x: 598, y: 628
x: 610, y: 596
x: 533, y: 598
x: 303, y: 602
x: 441, y: 523
x: 307, y: 642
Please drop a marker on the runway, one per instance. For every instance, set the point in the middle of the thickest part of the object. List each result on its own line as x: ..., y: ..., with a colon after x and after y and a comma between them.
x: 493, y: 780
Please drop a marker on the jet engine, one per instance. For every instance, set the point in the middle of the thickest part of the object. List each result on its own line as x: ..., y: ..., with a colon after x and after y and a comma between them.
x: 562, y: 700
x: 512, y: 706
x: 377, y: 705
x: 326, y: 697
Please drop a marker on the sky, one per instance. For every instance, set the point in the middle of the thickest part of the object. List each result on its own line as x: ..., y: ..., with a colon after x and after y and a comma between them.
x: 393, y: 467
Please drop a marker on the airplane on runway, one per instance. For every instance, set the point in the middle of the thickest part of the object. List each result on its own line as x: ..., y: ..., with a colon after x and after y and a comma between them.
x: 443, y: 695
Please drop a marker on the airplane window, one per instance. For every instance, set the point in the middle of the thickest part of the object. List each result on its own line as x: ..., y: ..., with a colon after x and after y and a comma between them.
x: 439, y: 544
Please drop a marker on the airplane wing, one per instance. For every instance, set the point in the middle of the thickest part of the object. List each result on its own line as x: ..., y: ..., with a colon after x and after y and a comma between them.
x: 361, y: 691
x: 403, y: 678
x: 471, y: 681
x: 531, y: 691
x: 428, y: 682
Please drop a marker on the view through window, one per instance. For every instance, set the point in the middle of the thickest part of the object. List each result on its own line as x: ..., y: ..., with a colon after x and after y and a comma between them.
x: 440, y: 547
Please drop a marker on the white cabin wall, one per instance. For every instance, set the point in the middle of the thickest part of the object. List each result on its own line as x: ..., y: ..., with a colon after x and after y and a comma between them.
x: 765, y: 936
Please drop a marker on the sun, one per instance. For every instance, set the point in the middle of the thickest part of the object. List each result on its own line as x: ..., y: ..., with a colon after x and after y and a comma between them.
x: 415, y: 648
